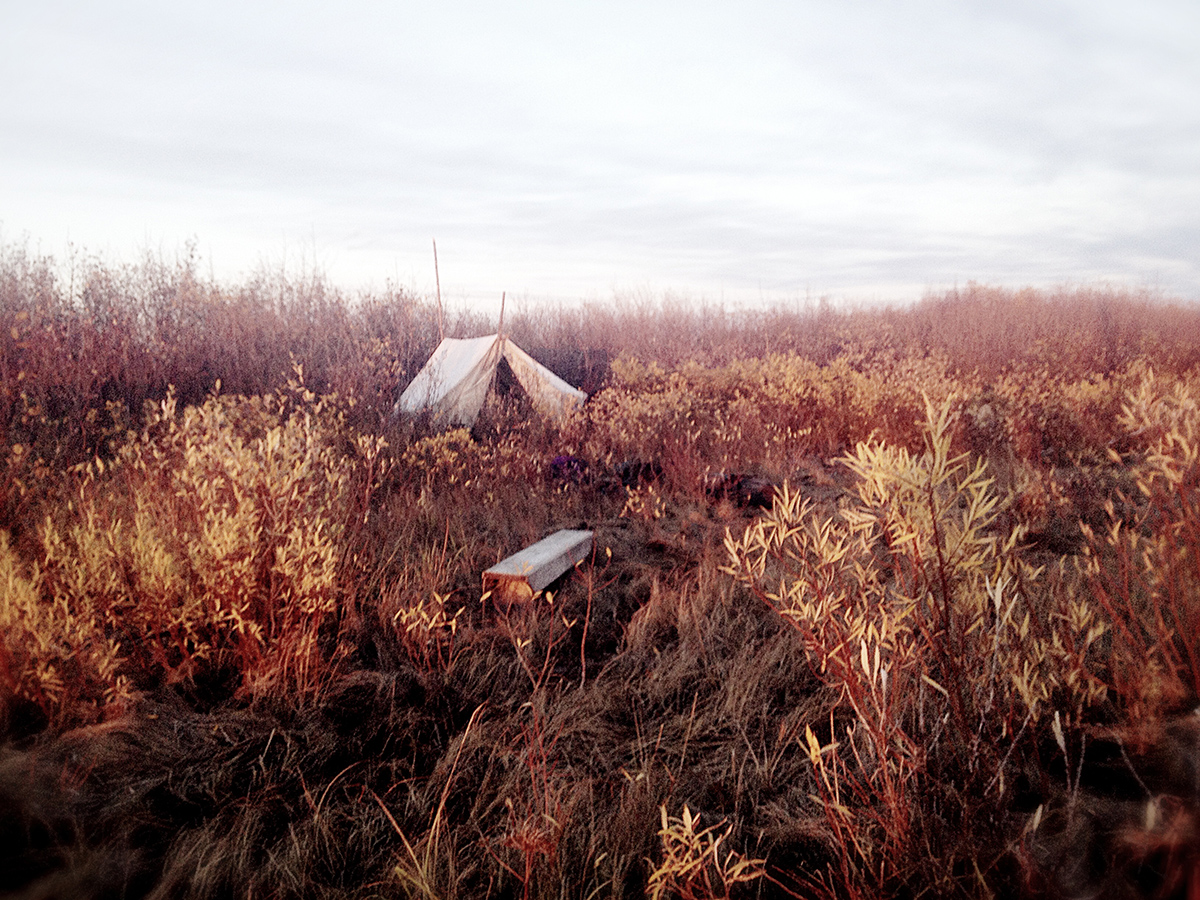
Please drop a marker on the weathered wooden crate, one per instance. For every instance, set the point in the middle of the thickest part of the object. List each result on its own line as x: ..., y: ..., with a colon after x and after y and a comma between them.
x: 528, y: 571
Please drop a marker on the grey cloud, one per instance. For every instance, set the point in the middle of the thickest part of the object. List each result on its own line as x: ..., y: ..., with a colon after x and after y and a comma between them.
x: 822, y: 144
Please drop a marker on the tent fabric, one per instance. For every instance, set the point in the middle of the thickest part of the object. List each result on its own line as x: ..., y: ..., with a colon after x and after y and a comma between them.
x: 455, y: 382
x: 550, y: 394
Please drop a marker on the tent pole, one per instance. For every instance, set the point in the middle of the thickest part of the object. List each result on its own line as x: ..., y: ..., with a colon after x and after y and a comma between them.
x: 438, y: 281
x: 500, y: 327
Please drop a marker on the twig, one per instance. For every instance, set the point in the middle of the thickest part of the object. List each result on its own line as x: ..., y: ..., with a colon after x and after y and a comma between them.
x: 438, y: 281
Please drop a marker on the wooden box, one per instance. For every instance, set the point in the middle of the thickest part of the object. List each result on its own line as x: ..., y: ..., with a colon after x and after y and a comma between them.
x: 528, y: 571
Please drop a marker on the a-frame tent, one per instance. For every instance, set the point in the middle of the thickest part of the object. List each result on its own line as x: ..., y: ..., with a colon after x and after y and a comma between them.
x: 455, y: 382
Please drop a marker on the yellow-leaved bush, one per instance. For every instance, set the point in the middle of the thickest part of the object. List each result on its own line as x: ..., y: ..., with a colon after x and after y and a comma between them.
x: 1144, y: 568
x: 51, y: 654
x: 933, y: 629
x: 760, y: 414
x: 212, y: 545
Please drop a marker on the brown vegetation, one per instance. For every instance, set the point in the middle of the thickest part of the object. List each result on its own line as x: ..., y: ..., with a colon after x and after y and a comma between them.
x: 243, y: 649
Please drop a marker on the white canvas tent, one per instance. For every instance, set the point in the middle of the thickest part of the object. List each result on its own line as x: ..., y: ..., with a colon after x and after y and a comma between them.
x: 455, y: 382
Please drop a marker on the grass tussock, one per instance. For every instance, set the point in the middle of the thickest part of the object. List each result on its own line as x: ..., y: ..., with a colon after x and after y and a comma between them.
x: 888, y: 602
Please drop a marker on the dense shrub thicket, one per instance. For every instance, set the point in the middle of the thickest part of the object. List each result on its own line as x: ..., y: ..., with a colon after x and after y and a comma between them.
x: 885, y: 602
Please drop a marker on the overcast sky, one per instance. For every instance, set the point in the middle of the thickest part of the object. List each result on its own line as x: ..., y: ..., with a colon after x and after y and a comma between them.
x: 736, y: 151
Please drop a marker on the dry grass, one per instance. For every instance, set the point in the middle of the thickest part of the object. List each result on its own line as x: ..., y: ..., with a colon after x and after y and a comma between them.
x: 243, y: 650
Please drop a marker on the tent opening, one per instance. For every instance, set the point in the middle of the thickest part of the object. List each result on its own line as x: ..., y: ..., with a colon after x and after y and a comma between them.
x: 461, y: 374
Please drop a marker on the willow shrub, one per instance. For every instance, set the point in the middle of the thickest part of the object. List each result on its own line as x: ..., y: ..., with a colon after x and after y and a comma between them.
x: 1144, y: 568
x: 942, y: 644
x: 212, y: 549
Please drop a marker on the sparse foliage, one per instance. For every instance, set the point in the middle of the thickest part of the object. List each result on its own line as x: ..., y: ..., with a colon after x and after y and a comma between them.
x: 694, y: 865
